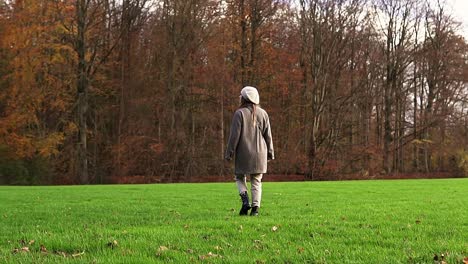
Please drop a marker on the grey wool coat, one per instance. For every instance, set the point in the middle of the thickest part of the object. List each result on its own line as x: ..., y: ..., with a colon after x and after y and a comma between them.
x: 251, y: 145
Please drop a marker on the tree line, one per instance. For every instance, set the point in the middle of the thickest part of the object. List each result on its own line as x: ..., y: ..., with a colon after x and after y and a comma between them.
x: 94, y: 91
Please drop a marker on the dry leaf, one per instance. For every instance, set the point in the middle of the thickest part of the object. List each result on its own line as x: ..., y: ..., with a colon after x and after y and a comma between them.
x: 465, y: 260
x: 77, y: 254
x: 15, y: 250
x: 300, y: 250
x: 274, y: 228
x: 25, y: 249
x: 61, y: 253
x: 43, y: 249
x: 31, y: 242
x: 163, y: 248
x: 209, y: 255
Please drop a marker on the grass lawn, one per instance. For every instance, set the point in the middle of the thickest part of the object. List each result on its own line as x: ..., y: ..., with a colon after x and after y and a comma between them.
x: 397, y: 221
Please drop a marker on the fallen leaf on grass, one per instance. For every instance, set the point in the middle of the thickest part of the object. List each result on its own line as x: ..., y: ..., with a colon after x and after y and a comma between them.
x: 23, y: 249
x: 274, y: 228
x: 465, y: 260
x: 77, y: 254
x: 43, y: 249
x: 209, y: 255
x: 300, y: 250
x: 61, y: 253
x: 31, y: 242
x: 163, y: 248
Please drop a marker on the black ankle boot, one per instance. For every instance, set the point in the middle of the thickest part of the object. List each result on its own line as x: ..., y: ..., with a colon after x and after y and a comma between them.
x: 245, y: 203
x: 254, y: 211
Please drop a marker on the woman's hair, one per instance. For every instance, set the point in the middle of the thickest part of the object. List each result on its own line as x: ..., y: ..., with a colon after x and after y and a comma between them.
x: 246, y: 103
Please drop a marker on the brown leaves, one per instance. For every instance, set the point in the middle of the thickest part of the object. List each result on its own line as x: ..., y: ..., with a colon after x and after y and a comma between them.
x: 465, y: 260
x: 43, y: 249
x: 209, y: 255
x: 274, y: 228
x: 77, y: 254
x: 162, y: 248
x: 65, y: 254
x: 23, y: 249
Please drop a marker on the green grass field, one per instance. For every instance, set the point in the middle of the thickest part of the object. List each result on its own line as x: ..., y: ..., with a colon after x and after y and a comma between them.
x: 400, y: 221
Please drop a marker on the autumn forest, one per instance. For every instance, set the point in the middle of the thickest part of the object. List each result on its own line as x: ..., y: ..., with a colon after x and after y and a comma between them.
x: 106, y: 91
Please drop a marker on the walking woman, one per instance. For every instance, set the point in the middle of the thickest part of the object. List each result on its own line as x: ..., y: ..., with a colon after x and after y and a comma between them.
x: 251, y: 143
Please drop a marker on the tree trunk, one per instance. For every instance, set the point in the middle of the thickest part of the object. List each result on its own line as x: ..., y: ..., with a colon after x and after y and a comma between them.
x: 82, y: 90
x: 243, y: 24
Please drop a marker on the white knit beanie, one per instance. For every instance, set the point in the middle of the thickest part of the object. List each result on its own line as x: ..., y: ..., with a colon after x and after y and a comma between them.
x: 250, y: 93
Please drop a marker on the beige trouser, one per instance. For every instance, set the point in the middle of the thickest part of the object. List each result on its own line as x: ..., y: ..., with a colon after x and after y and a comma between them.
x: 256, y: 186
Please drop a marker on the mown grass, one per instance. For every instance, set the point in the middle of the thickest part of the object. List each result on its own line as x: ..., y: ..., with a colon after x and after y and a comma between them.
x: 401, y: 221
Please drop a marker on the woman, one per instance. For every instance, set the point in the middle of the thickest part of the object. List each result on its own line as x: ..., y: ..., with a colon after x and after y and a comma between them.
x: 250, y: 141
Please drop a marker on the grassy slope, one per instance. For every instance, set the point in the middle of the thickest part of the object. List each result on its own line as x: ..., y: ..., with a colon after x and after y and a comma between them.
x: 401, y: 221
